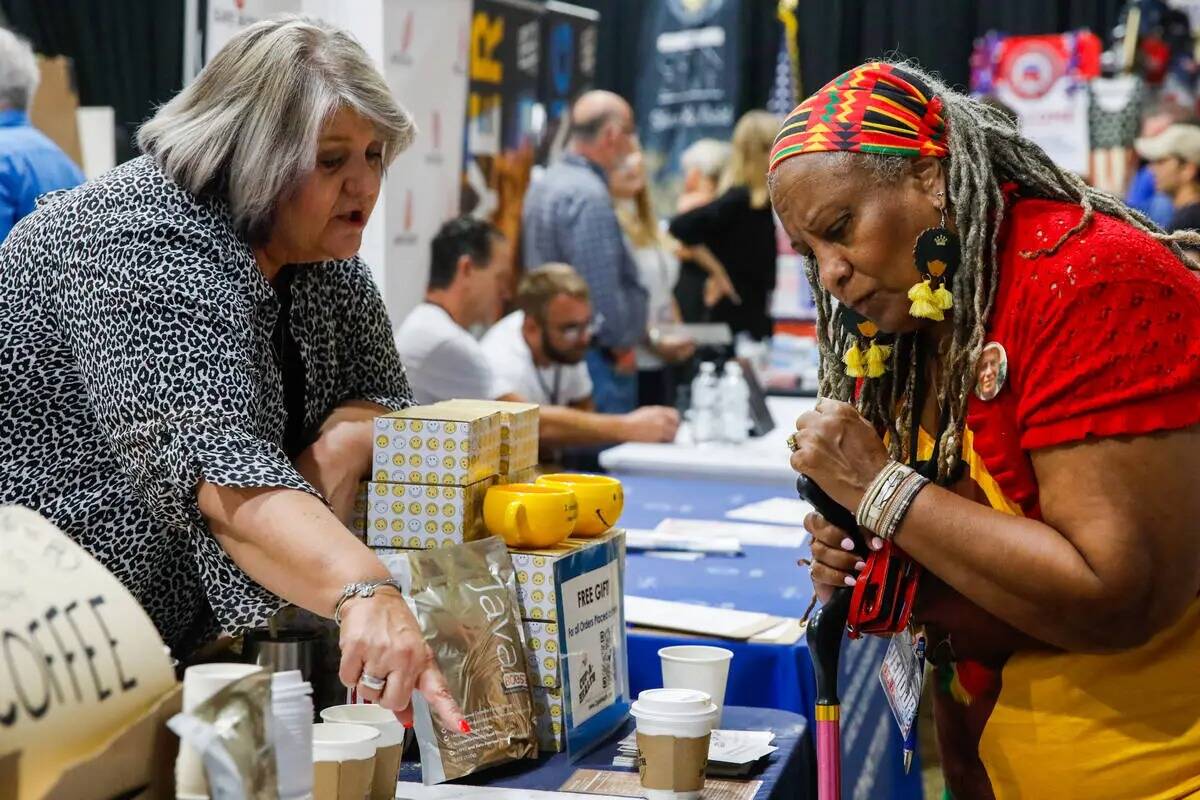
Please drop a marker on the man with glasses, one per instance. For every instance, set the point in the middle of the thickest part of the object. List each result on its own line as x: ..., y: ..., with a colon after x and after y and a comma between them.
x: 568, y: 217
x: 537, y: 356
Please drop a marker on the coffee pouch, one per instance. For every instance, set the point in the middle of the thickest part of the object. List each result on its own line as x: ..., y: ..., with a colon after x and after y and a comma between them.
x: 465, y: 599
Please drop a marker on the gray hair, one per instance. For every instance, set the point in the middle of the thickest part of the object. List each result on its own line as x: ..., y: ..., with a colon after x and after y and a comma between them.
x: 18, y: 71
x: 709, y: 156
x: 986, y: 151
x: 247, y: 128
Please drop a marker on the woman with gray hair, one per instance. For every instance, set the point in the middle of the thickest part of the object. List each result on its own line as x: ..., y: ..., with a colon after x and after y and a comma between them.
x: 30, y: 163
x: 193, y: 354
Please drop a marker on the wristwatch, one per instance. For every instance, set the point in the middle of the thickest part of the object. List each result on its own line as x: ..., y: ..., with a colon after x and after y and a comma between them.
x: 361, y: 589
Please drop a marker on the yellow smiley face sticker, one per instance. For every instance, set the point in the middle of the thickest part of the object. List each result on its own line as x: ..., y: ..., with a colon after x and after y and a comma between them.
x: 433, y: 443
x: 381, y: 440
x: 448, y: 462
x: 431, y: 527
x: 448, y: 528
x: 431, y: 510
x: 399, y: 425
x: 414, y: 460
x: 451, y: 427
x: 414, y: 443
x: 448, y: 510
x: 417, y: 425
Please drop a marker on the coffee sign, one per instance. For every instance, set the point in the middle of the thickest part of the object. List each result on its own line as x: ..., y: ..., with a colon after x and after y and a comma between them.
x: 79, y: 658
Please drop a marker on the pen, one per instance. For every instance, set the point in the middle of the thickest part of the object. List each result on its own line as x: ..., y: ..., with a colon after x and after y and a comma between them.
x: 910, y: 741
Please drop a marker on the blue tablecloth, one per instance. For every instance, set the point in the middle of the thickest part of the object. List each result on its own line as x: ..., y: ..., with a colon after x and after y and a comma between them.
x: 764, y: 579
x: 781, y: 772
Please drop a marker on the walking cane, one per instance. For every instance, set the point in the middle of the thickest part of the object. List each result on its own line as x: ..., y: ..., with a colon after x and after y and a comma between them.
x: 824, y: 637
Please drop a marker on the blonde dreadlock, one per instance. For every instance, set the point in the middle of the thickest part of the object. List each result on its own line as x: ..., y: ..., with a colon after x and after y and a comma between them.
x: 986, y: 151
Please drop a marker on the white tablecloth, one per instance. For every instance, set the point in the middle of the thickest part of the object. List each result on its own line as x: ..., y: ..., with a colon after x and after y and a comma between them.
x: 764, y: 459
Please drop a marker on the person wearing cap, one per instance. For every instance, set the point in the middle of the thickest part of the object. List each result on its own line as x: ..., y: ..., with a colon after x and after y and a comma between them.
x: 1010, y: 398
x: 1174, y: 157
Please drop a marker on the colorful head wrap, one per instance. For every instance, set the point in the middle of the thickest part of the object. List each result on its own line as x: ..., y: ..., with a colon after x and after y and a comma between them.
x: 873, y: 108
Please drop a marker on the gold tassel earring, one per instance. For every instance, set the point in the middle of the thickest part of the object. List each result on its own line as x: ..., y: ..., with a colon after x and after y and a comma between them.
x: 859, y: 364
x: 937, y: 254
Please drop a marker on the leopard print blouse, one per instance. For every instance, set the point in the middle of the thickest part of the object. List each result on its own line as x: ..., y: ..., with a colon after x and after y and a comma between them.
x: 137, y: 358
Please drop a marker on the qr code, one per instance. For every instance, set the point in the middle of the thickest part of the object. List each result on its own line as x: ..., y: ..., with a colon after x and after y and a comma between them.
x: 606, y: 658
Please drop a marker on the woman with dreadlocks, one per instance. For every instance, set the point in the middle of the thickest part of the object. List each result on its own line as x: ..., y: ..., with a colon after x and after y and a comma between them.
x: 1010, y: 396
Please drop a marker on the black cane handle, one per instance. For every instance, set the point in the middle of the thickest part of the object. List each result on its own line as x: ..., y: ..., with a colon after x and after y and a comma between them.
x: 828, y: 623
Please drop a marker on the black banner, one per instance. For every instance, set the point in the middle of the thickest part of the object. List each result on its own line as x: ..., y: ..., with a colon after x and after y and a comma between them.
x: 569, y: 35
x: 502, y: 109
x: 689, y: 58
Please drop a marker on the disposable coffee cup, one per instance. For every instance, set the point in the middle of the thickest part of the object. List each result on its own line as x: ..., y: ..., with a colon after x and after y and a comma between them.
x: 200, y: 682
x: 343, y: 761
x: 389, y: 747
x: 699, y: 667
x: 673, y: 730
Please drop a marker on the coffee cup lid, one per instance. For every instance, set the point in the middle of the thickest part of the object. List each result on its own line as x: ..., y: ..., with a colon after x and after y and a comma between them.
x: 685, y: 705
x: 391, y: 732
x: 341, y: 741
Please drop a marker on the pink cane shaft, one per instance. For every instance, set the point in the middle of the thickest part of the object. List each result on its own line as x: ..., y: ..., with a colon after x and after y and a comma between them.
x: 829, y: 756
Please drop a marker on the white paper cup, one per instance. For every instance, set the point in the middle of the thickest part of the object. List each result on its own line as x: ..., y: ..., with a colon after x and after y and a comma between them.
x: 201, y: 682
x: 673, y: 731
x: 343, y: 761
x: 699, y: 667
x: 389, y: 746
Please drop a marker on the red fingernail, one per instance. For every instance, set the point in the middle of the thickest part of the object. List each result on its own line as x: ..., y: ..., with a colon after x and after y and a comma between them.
x: 464, y: 726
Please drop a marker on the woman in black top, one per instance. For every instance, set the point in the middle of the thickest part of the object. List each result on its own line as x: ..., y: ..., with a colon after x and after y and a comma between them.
x: 739, y: 227
x: 192, y: 354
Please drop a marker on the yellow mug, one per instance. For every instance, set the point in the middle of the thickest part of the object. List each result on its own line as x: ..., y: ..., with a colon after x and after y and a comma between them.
x: 530, y: 516
x: 601, y: 500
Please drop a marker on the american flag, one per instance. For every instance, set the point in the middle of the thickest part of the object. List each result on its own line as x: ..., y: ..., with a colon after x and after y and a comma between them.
x: 785, y: 89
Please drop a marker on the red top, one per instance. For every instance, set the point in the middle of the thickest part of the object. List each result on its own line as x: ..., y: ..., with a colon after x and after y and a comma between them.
x: 1102, y: 338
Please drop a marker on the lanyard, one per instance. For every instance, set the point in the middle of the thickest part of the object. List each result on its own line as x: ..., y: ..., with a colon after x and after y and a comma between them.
x: 552, y: 395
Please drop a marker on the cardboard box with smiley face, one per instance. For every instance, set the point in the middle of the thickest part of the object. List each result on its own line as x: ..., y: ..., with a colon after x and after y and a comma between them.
x: 519, y: 428
x: 541, y: 653
x: 436, y: 445
x: 421, y: 516
x: 548, y: 719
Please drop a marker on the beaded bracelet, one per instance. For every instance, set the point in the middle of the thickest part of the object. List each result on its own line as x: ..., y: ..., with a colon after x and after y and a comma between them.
x: 887, y: 499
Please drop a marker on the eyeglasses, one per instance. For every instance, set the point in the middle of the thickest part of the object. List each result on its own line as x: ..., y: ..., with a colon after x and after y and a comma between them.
x: 581, y: 330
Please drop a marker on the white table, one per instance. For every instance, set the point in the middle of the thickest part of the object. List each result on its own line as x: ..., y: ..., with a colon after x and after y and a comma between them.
x: 761, y: 460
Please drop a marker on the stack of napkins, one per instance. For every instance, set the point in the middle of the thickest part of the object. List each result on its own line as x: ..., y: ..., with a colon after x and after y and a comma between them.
x: 731, y: 754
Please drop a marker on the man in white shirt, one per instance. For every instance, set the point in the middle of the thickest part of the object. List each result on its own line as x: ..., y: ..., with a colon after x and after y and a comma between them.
x: 537, y: 356
x: 469, y: 278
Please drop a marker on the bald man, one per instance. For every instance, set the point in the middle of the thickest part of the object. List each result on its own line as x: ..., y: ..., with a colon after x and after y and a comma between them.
x: 569, y: 218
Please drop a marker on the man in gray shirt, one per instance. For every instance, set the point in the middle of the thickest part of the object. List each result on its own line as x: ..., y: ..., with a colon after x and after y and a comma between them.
x: 569, y: 218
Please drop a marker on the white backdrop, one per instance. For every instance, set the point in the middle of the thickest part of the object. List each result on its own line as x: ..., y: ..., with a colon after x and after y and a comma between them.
x: 421, y: 46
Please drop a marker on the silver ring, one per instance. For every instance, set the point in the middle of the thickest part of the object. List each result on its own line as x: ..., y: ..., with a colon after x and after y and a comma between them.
x: 371, y: 682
